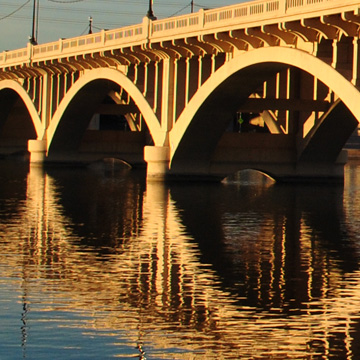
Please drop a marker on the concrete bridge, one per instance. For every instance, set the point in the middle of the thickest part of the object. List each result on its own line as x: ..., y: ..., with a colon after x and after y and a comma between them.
x: 271, y: 85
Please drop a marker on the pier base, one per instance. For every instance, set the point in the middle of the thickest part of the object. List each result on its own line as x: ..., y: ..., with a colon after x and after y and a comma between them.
x: 157, y: 158
x: 37, y: 150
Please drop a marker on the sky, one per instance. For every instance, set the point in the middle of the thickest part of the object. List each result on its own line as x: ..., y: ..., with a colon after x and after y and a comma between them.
x: 70, y: 18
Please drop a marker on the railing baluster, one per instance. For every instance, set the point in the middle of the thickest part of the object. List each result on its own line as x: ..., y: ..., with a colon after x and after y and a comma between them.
x: 180, y: 25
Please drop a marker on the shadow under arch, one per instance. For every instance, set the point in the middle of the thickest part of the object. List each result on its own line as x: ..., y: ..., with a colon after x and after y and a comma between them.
x: 213, y: 106
x: 13, y: 97
x: 76, y: 109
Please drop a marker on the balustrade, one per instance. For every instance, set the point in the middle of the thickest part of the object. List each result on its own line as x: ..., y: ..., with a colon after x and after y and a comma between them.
x: 234, y: 15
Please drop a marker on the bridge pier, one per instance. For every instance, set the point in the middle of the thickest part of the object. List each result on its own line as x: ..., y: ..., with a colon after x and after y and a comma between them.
x: 274, y: 155
x: 158, y: 160
x: 37, y: 150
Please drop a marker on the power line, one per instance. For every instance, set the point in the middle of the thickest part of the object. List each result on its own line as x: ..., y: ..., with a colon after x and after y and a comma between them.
x: 67, y: 18
x: 101, y: 12
x: 15, y: 11
x: 65, y: 2
x: 179, y: 11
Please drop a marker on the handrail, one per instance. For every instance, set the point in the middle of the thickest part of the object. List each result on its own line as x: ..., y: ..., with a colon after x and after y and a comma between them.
x: 204, y: 20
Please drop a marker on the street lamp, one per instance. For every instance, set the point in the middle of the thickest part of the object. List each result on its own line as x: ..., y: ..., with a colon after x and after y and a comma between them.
x: 90, y: 25
x: 150, y: 13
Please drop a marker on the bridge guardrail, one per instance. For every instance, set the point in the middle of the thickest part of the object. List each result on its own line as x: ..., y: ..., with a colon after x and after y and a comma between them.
x: 176, y: 26
x: 89, y: 42
x: 244, y: 12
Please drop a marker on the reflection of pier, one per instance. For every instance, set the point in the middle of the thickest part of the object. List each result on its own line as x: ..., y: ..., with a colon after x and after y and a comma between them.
x: 157, y: 279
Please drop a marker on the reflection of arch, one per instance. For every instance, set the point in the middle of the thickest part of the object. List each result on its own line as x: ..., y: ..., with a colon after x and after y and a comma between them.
x: 158, y: 271
x: 218, y: 97
x: 16, y: 87
x: 97, y: 83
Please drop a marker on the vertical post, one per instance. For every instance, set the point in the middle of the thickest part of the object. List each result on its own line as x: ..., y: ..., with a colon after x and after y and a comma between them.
x: 335, y: 54
x: 146, y: 72
x: 315, y: 97
x: 356, y: 65
x: 156, y: 86
x: 103, y: 37
x: 187, y: 80
x: 58, y: 89
x: 174, y: 91
x: 46, y: 95
x: 167, y: 104
x: 158, y: 157
x: 29, y: 51
x: 213, y: 63
x: 44, y: 90
x: 33, y: 39
x: 150, y: 13
x: 201, y: 18
x: 291, y: 86
x: 200, y: 72
x: 90, y: 25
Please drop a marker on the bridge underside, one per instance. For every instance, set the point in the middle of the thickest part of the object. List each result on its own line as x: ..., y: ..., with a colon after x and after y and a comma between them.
x: 102, y: 145
x: 16, y: 127
x: 275, y: 155
x: 316, y: 156
x: 284, y: 157
x: 272, y: 154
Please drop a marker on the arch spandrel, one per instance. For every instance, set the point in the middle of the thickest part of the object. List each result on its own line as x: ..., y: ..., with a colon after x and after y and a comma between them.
x: 24, y: 96
x: 242, y: 74
x: 110, y: 76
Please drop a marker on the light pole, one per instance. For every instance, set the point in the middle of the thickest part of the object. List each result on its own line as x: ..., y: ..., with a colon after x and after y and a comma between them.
x: 33, y: 39
x: 150, y: 13
x: 90, y: 25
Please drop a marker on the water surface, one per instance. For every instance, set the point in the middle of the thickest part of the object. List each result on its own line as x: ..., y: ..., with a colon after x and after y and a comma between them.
x: 99, y: 264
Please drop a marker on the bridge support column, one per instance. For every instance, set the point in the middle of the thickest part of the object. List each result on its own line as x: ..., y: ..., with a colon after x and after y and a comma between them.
x: 158, y: 160
x: 37, y: 150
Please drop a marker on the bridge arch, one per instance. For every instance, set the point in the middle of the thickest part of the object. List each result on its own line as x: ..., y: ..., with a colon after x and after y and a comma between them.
x: 24, y: 96
x: 219, y: 97
x: 96, y: 84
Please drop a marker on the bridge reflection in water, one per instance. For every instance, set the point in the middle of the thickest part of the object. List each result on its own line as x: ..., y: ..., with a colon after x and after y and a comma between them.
x: 239, y: 270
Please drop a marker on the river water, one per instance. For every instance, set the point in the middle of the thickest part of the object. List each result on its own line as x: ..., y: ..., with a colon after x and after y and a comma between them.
x: 98, y: 264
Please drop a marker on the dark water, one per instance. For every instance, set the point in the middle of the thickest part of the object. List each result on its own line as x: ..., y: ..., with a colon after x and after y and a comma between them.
x: 99, y: 264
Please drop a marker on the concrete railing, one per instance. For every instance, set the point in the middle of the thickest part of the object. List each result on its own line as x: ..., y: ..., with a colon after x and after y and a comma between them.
x: 175, y: 27
x: 123, y: 36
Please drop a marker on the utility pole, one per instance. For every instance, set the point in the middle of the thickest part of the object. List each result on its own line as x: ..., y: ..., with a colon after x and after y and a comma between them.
x: 90, y: 25
x: 150, y: 13
x: 192, y: 6
x: 33, y: 39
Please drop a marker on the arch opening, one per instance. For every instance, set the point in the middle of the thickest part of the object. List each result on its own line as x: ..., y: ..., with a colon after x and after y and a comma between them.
x: 200, y: 140
x: 98, y: 120
x: 16, y: 124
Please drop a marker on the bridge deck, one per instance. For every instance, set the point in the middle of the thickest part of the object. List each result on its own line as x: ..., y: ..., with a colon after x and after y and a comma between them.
x: 254, y: 14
